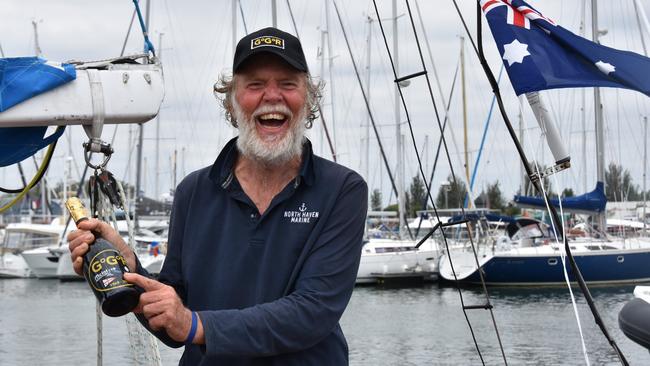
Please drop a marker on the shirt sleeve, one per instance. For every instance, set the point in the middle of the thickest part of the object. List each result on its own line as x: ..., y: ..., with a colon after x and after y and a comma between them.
x: 322, y: 290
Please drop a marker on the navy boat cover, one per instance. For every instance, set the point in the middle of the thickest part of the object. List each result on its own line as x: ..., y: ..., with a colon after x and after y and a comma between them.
x: 20, y: 79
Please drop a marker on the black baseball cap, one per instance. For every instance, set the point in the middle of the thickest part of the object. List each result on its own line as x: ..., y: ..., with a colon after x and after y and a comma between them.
x: 274, y: 41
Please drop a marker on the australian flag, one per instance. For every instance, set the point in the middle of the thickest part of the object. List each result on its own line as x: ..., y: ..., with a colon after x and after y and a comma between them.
x: 539, y: 54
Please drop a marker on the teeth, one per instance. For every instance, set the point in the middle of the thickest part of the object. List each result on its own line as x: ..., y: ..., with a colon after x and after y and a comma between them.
x: 271, y: 116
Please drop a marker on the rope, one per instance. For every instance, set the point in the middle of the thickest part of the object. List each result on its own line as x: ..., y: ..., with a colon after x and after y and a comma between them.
x: 372, y: 118
x: 408, y: 120
x: 37, y: 177
x: 139, y: 338
x: 148, y: 47
x: 553, y: 212
x: 318, y: 104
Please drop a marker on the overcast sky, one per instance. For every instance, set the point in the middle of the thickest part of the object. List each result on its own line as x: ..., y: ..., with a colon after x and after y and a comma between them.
x: 196, y: 46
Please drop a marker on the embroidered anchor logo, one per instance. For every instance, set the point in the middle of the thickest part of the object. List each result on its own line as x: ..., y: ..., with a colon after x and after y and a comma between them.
x: 302, y: 207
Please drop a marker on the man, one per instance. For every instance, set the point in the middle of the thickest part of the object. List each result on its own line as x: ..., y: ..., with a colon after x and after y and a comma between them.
x: 264, y: 245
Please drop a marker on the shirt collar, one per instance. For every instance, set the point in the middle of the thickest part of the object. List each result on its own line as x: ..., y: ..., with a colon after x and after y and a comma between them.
x: 222, y: 171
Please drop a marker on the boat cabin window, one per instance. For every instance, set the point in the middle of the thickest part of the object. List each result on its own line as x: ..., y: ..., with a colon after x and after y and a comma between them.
x: 27, y: 240
x: 533, y: 231
x: 393, y: 249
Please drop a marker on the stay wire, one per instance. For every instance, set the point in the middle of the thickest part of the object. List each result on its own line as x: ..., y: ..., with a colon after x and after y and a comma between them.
x: 553, y: 212
x: 318, y: 104
x: 487, y: 305
x: 365, y: 99
x: 440, y: 140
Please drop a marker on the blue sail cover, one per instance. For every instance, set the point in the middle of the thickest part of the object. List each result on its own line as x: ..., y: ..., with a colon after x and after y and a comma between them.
x: 589, y: 203
x: 20, y: 79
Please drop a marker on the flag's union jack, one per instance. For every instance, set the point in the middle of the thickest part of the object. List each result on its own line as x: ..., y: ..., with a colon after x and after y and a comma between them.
x: 519, y: 16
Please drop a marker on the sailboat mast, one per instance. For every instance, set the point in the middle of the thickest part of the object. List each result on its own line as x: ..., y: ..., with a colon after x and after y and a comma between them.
x: 583, y: 112
x: 138, y: 173
x: 398, y: 132
x: 274, y: 12
x: 598, y: 109
x: 43, y: 184
x: 330, y: 66
x: 522, y: 171
x: 645, y: 168
x: 464, y: 98
x: 367, y: 146
x: 322, y: 76
x: 234, y: 25
x: 157, y: 175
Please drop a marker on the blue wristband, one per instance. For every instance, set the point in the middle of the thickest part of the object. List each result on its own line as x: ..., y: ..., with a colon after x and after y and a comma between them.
x: 190, y: 336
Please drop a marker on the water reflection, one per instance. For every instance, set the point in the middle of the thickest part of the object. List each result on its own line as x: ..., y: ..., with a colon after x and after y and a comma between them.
x: 421, y: 325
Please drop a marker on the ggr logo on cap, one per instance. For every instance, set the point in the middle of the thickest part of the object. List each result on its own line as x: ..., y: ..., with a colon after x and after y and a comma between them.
x: 267, y: 41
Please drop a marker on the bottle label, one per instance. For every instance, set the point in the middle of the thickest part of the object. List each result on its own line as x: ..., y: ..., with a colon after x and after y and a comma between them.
x: 105, y: 271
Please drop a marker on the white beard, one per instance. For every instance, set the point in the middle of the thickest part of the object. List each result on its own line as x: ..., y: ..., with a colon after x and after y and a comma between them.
x: 270, y: 151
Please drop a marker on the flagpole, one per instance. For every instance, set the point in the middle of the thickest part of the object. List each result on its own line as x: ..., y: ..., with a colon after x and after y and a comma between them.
x: 598, y: 111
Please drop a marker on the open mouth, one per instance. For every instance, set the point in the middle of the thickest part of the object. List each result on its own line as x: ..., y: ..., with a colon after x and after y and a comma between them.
x: 271, y: 119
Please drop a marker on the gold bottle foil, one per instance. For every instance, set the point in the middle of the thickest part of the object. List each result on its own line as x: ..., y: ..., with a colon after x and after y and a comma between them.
x: 76, y: 209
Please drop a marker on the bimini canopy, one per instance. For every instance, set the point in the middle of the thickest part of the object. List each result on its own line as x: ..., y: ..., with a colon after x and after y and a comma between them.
x: 589, y: 203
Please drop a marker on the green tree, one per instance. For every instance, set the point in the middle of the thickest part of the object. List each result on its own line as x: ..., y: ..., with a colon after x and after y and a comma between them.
x: 618, y: 184
x: 375, y: 200
x: 491, y: 197
x: 568, y: 192
x: 416, y: 196
x: 495, y: 197
x: 451, y: 195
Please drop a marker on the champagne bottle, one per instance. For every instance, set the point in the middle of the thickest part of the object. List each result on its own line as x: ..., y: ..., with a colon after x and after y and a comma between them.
x: 103, y: 269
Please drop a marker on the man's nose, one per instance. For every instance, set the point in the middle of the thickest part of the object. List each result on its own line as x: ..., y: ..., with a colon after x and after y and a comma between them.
x: 272, y: 93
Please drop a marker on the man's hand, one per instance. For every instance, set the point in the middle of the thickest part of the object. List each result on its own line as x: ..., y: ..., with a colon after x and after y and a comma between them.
x: 163, y: 309
x: 79, y: 242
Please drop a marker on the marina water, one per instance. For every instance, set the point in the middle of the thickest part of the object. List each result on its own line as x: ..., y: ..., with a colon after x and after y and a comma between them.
x: 47, y: 322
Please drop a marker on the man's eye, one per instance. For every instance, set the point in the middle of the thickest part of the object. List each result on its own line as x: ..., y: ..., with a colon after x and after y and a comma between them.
x: 254, y: 85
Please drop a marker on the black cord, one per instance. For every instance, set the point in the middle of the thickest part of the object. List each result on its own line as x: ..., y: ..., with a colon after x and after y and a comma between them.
x: 318, y: 105
x: 554, y: 215
x: 365, y: 99
x: 488, y: 305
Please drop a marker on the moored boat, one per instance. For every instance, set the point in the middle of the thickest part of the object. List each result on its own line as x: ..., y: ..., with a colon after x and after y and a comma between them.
x: 529, y: 255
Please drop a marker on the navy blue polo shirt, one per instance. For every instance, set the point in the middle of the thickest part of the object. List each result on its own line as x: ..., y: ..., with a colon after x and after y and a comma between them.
x: 270, y: 289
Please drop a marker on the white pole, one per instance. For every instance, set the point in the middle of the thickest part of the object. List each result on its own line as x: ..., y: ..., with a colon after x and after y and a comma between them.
x: 331, y: 72
x: 545, y: 122
x: 234, y: 25
x: 322, y: 77
x: 522, y: 173
x: 645, y: 168
x: 157, y: 175
x: 369, y: 45
x: 641, y: 13
x: 274, y: 11
x: 583, y: 112
x: 398, y: 134
x: 600, y: 134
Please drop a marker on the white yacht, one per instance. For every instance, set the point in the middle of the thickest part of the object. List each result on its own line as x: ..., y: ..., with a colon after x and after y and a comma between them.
x: 21, y: 237
x: 390, y: 259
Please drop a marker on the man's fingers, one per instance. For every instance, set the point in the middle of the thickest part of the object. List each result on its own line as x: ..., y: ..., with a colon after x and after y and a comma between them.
x: 146, y: 283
